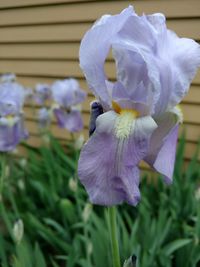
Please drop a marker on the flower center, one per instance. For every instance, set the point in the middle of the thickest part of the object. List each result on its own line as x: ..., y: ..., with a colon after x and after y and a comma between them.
x: 125, y: 122
x: 10, y: 120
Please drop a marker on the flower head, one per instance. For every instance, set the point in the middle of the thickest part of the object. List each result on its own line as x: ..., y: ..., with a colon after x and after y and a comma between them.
x: 67, y: 96
x: 12, y: 131
x: 140, y: 121
x: 18, y: 231
x: 42, y: 93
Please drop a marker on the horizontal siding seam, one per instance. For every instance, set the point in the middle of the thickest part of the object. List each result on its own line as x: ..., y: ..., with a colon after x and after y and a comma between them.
x: 68, y: 2
x: 85, y: 21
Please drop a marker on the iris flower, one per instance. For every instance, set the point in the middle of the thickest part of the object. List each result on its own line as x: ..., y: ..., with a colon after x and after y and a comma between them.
x: 139, y: 114
x: 67, y: 95
x: 42, y: 93
x: 12, y: 131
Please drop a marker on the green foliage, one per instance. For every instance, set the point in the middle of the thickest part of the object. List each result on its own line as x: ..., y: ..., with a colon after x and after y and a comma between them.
x: 162, y: 231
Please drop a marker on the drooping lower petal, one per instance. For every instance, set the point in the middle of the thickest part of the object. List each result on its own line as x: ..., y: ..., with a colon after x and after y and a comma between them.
x: 11, y: 135
x: 108, y: 161
x: 72, y: 120
x: 162, y: 150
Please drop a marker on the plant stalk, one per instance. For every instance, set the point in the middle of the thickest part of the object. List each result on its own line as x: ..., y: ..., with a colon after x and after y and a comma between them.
x: 113, y: 236
x: 3, y: 171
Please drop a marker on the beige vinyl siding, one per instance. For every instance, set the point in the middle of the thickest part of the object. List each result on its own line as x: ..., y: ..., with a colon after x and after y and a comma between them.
x: 39, y: 41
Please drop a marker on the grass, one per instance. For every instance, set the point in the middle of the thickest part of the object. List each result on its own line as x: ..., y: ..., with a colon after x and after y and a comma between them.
x: 62, y: 229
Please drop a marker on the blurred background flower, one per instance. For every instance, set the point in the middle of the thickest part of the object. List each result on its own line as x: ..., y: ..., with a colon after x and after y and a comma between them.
x: 67, y: 96
x: 12, y: 129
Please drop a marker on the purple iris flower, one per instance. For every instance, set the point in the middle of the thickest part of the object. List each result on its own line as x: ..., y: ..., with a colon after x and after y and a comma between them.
x: 67, y: 96
x: 42, y: 93
x: 12, y: 131
x: 154, y: 69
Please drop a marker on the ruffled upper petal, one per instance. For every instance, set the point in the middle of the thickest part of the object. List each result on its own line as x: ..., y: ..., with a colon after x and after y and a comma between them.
x: 67, y: 93
x: 154, y: 66
x: 12, y: 96
x: 108, y: 161
x: 162, y: 149
x: 185, y: 54
x: 94, y: 49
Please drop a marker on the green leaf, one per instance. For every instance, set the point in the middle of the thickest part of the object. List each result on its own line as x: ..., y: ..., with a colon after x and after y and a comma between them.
x: 39, y: 258
x: 175, y: 245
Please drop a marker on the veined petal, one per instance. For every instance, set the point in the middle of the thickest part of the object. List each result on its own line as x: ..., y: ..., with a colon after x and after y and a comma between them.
x: 162, y: 149
x: 108, y: 161
x: 137, y: 70
x: 94, y: 49
x: 185, y: 63
x: 72, y: 120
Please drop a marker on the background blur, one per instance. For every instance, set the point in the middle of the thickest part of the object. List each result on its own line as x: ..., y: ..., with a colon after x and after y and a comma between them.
x: 39, y: 42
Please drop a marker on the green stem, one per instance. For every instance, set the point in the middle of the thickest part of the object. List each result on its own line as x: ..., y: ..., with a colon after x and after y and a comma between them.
x: 3, y: 171
x: 113, y: 236
x: 76, y: 175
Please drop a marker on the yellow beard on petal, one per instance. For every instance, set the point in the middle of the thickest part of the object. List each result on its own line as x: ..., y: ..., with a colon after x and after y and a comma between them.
x: 10, y: 120
x: 125, y: 121
x: 179, y: 113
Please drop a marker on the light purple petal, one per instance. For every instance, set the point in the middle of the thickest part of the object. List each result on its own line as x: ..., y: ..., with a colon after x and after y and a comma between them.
x: 135, y: 52
x: 126, y: 101
x: 94, y: 49
x: 108, y: 165
x: 67, y: 93
x: 11, y: 136
x: 185, y: 62
x: 162, y: 150
x: 71, y: 120
x: 178, y: 61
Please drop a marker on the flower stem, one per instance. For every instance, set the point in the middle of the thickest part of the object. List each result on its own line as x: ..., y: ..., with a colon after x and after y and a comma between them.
x: 3, y: 171
x: 113, y: 236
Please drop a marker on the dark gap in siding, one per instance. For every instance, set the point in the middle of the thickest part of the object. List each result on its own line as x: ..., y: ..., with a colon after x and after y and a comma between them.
x: 45, y: 59
x: 38, y: 24
x: 32, y: 5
